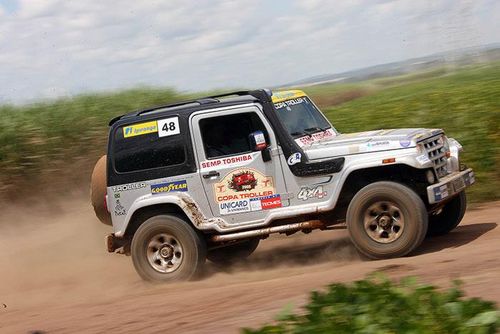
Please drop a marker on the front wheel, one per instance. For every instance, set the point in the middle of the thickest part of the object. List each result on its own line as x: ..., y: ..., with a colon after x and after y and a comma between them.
x: 166, y: 248
x: 449, y: 216
x: 386, y: 219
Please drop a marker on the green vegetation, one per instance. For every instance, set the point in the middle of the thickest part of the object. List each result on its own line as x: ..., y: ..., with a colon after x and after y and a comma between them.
x: 50, y: 145
x: 380, y: 306
x: 465, y: 103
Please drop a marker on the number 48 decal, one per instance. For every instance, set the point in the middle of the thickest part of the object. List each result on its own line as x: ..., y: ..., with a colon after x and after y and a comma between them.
x: 168, y: 127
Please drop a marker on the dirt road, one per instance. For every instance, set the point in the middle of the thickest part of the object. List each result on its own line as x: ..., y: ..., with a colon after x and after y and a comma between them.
x: 56, y: 276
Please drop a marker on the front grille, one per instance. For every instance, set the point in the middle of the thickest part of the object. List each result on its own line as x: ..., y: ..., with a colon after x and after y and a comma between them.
x: 437, y: 154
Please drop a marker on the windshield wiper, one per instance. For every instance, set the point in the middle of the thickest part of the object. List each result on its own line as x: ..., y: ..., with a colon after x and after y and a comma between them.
x: 315, y: 129
x: 298, y: 133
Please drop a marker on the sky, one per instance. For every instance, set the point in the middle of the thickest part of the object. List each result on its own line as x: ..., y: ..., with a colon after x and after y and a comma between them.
x: 57, y: 48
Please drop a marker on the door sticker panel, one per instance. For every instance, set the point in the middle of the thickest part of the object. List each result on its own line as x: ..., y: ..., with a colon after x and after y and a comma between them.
x: 245, y: 190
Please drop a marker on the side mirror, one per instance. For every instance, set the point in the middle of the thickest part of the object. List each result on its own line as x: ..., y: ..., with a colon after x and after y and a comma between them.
x: 257, y: 141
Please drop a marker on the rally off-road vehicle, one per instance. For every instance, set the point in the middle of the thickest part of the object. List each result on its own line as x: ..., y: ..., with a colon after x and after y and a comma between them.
x: 209, y: 178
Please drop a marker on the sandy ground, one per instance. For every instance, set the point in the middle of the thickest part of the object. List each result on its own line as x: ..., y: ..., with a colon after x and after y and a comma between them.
x: 56, y: 276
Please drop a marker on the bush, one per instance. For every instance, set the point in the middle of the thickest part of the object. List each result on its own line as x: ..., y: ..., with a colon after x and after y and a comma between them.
x: 376, y: 305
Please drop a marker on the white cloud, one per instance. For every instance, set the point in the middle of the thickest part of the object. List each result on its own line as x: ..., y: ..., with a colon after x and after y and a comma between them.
x: 54, y: 47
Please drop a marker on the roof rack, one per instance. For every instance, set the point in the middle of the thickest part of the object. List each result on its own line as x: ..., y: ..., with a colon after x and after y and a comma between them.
x: 201, y: 101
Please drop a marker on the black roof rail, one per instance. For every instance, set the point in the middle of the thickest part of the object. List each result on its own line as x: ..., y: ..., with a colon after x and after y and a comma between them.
x: 205, y: 100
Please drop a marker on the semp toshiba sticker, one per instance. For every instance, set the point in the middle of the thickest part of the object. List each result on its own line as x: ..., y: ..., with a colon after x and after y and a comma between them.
x: 236, y: 161
x: 244, y: 183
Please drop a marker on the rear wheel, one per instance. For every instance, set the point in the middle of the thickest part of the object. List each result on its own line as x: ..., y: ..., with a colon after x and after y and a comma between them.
x: 448, y: 217
x: 386, y: 219
x: 166, y: 248
x: 230, y: 254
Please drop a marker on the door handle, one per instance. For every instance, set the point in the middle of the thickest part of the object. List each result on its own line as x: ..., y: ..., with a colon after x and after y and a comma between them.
x: 211, y: 174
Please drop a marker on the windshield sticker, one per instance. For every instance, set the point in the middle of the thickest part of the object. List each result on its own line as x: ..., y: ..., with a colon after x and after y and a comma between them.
x: 285, y: 95
x: 139, y: 129
x: 243, y: 184
x: 168, y: 127
x: 295, y: 158
x: 315, y: 137
x: 289, y: 103
x: 169, y: 187
x: 308, y: 193
x: 236, y: 161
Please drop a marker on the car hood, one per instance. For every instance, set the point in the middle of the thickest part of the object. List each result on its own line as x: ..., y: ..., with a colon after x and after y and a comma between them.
x: 368, y: 141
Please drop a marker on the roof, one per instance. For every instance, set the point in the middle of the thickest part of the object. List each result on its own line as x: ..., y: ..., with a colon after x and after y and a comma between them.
x: 225, y: 99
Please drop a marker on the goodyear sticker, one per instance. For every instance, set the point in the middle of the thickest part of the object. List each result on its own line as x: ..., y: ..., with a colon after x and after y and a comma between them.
x: 169, y: 187
x: 140, y: 129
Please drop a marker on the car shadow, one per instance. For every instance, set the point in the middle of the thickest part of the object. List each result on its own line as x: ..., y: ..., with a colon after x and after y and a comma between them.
x: 460, y: 236
x: 338, y: 250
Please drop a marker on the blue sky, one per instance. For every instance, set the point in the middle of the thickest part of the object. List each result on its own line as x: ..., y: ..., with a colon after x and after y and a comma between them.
x: 54, y: 48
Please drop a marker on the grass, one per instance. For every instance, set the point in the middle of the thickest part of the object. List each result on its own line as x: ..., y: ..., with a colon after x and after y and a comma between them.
x: 54, y: 145
x: 377, y: 305
x: 466, y: 104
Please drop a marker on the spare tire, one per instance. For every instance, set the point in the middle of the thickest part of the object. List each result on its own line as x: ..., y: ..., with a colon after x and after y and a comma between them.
x: 98, y: 191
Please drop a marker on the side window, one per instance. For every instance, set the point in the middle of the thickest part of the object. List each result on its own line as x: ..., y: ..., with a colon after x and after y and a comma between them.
x: 228, y: 135
x: 149, y: 145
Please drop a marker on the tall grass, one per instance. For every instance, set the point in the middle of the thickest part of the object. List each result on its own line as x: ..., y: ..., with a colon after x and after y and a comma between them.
x: 466, y: 104
x: 54, y: 145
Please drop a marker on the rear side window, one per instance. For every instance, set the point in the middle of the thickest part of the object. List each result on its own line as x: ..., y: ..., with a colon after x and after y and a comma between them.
x: 148, y: 145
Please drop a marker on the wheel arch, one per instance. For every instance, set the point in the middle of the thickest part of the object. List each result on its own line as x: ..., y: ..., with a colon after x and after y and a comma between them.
x: 356, y: 179
x: 143, y: 213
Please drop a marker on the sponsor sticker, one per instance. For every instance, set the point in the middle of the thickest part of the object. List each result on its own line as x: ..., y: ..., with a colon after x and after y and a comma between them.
x: 119, y: 209
x: 243, y: 184
x: 130, y: 186
x: 235, y: 161
x: 231, y: 207
x: 295, y: 158
x: 423, y: 159
x: 405, y: 142
x: 265, y: 203
x: 168, y: 127
x: 139, y: 129
x: 315, y: 137
x: 306, y: 193
x: 169, y: 187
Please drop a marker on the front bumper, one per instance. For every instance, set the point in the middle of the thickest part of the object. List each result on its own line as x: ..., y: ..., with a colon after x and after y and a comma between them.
x: 450, y: 185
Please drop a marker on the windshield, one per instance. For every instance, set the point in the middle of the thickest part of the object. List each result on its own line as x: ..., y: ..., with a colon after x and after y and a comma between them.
x: 301, y: 117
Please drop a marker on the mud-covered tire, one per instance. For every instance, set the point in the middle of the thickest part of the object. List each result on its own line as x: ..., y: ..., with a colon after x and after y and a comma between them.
x: 98, y: 191
x: 450, y: 216
x: 386, y: 220
x: 229, y: 255
x: 165, y: 248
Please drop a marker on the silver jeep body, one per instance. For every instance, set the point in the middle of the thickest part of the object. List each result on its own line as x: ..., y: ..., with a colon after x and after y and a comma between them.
x: 243, y: 192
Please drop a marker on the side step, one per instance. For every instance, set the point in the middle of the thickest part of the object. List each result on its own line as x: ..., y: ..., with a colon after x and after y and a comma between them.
x: 310, y: 225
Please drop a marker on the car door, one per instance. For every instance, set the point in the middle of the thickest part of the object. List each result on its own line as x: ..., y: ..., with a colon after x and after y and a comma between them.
x: 240, y: 185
